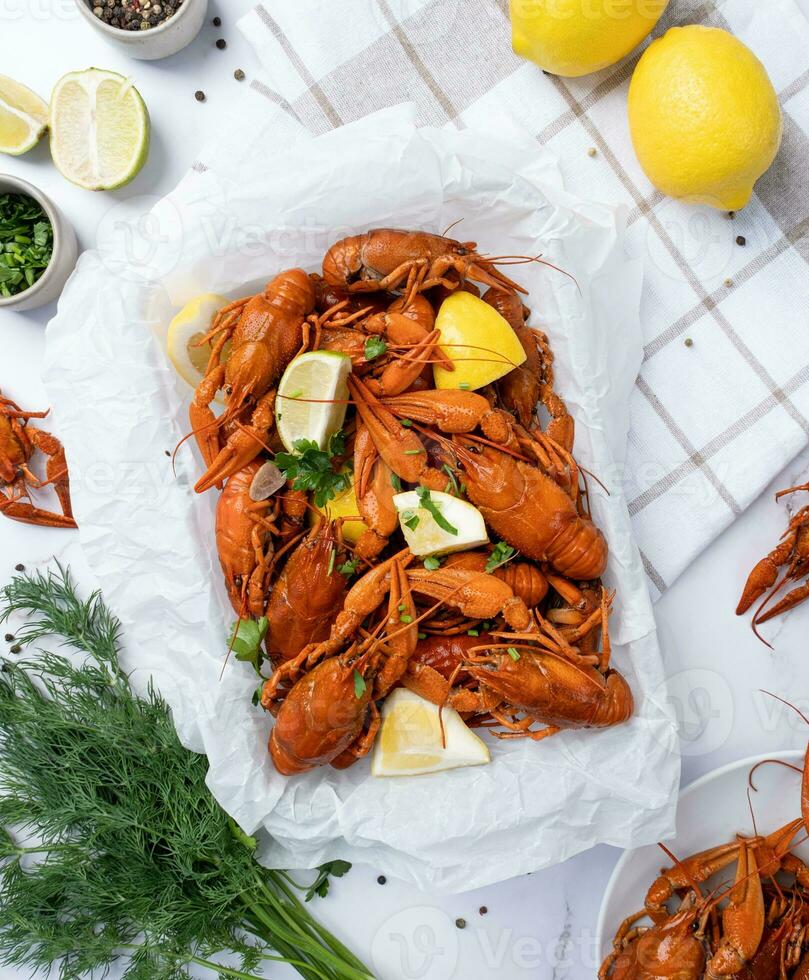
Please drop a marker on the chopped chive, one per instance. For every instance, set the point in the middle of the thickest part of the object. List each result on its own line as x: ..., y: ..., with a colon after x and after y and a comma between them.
x: 429, y: 504
x: 396, y: 483
x: 473, y: 632
x: 407, y: 423
x: 464, y: 386
x: 512, y: 652
x: 332, y: 555
x: 359, y: 684
x: 421, y: 636
x: 414, y: 452
x: 405, y: 618
x: 431, y: 563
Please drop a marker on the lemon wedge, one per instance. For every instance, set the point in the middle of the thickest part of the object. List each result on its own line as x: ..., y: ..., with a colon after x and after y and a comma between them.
x: 312, y: 397
x: 435, y: 523
x: 409, y: 741
x: 344, y: 505
x: 478, y: 340
x: 23, y: 117
x: 187, y: 328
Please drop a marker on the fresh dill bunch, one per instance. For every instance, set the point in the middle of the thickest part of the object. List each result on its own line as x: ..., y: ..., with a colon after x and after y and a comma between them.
x: 134, y: 859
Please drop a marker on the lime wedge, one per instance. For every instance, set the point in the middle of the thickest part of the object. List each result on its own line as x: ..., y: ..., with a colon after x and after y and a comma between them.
x: 187, y: 328
x: 23, y: 117
x: 312, y: 397
x: 99, y: 129
x: 409, y: 742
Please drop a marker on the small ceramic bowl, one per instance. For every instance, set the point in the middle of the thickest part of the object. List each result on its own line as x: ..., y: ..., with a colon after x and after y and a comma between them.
x: 158, y: 42
x: 63, y: 258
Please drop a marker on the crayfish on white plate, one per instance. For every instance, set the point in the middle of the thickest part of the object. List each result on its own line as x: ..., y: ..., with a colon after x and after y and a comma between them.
x: 754, y: 926
x: 512, y: 634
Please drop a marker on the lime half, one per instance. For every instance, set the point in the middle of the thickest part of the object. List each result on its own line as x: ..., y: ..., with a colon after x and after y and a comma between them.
x: 312, y: 397
x: 99, y: 129
x: 23, y: 117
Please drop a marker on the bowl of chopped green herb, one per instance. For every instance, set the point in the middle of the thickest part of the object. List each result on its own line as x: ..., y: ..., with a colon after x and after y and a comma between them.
x: 38, y: 247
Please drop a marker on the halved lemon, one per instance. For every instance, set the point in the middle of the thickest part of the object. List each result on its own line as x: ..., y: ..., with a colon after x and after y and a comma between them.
x: 435, y: 523
x: 23, y: 117
x: 409, y: 741
x: 312, y: 397
x: 187, y: 328
x: 479, y: 342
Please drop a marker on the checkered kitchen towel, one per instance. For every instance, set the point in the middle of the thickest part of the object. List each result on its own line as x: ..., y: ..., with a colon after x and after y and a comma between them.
x: 722, y: 401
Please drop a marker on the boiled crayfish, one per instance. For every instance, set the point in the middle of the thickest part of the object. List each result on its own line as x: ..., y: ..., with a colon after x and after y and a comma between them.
x: 753, y: 927
x: 514, y: 635
x: 792, y: 555
x: 18, y: 443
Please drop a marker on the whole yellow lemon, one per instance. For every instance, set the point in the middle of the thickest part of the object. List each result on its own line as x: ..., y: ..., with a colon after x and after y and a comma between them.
x: 576, y: 37
x: 704, y: 117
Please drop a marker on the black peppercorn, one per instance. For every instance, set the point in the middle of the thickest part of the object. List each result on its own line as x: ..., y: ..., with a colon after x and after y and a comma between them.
x: 9, y: 637
x: 16, y: 648
x: 460, y: 923
x: 199, y: 95
x: 483, y: 910
x: 741, y: 240
x: 238, y: 75
x: 217, y: 22
x: 381, y: 880
x: 19, y: 568
x: 221, y: 44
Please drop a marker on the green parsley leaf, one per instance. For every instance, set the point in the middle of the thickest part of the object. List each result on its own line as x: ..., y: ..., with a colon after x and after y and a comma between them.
x: 396, y: 483
x: 431, y: 507
x: 374, y: 347
x: 320, y: 886
x: 501, y: 553
x: 431, y: 563
x: 349, y: 568
x: 359, y: 684
x: 246, y: 639
x: 411, y: 520
x: 310, y: 468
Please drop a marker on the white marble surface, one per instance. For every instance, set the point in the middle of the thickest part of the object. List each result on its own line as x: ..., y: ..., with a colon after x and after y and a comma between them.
x: 541, y: 926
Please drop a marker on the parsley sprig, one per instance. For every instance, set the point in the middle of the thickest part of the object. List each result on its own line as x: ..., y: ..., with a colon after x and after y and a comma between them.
x: 26, y: 243
x: 312, y: 468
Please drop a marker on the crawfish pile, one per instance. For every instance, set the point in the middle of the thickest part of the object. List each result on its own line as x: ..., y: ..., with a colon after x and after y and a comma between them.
x: 513, y: 636
x: 755, y: 928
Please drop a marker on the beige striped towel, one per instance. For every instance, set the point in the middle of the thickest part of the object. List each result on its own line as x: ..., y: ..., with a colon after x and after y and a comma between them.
x: 722, y: 401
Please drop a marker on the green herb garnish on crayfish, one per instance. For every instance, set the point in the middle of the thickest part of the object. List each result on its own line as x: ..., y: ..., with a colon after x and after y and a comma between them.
x: 26, y: 243
x: 132, y: 859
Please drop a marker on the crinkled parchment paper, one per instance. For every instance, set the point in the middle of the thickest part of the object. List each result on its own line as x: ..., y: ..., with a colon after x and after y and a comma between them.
x: 119, y: 408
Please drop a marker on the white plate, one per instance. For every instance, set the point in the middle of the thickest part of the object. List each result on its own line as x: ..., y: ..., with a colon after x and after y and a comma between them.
x: 709, y: 812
